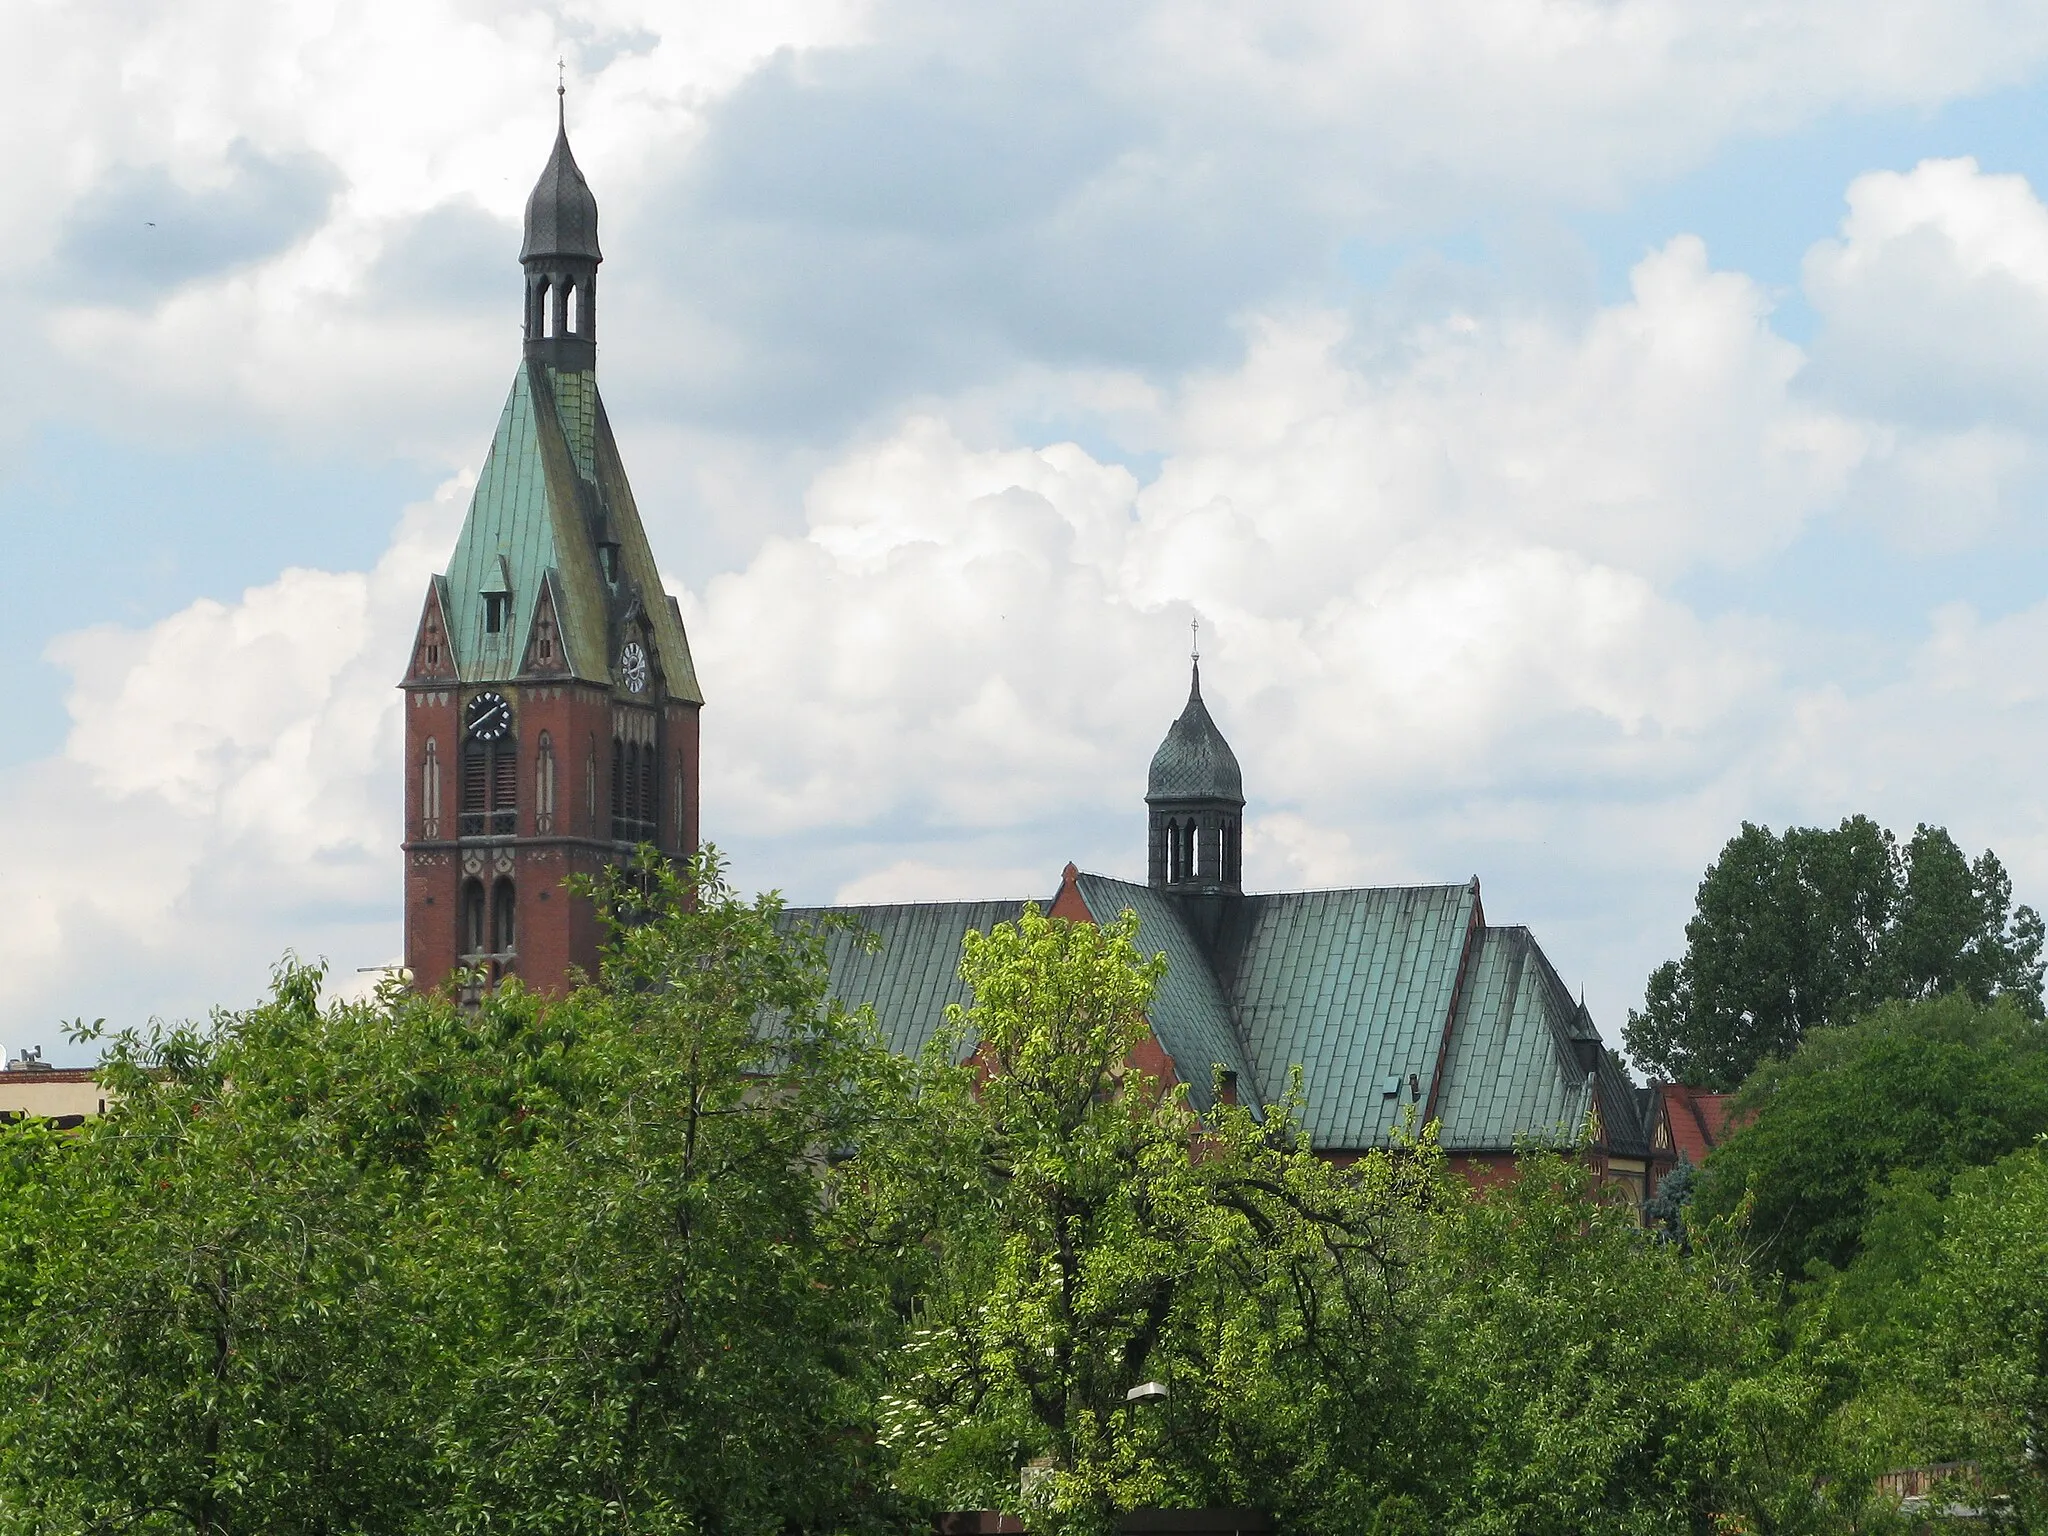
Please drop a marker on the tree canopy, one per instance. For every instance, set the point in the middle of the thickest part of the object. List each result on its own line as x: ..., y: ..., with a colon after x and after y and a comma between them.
x: 1813, y: 927
x: 688, y: 1251
x: 403, y: 1265
x: 1930, y: 1087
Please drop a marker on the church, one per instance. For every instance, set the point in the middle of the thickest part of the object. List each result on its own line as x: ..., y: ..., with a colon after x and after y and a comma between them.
x: 552, y: 728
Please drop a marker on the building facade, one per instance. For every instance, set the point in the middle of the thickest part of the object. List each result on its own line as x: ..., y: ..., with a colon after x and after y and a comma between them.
x: 1402, y: 1006
x: 551, y: 703
x: 552, y: 728
x: 32, y: 1089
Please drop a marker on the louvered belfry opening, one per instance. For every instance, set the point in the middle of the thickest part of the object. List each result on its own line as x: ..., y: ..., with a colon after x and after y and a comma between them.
x: 636, y: 795
x: 490, y: 789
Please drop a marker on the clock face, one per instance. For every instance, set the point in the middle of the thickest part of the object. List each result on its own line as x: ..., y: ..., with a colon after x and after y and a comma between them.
x: 633, y: 665
x: 489, y: 717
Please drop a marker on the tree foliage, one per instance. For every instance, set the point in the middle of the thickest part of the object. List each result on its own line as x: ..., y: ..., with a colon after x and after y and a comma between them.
x: 401, y: 1265
x: 1107, y: 1236
x: 1931, y: 1087
x: 1981, y: 1351
x: 688, y: 1251
x: 1813, y: 927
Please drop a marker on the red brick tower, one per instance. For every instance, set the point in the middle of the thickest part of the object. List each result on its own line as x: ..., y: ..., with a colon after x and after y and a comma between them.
x: 551, y: 705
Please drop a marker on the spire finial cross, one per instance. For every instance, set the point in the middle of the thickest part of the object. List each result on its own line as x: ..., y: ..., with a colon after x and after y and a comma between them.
x: 1195, y: 638
x: 561, y: 76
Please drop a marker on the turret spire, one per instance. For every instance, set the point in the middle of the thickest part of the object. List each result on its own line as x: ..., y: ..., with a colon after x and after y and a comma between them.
x: 561, y: 255
x: 1195, y: 798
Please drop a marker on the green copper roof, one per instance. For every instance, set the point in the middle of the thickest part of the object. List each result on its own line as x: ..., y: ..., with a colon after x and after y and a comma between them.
x: 1511, y: 1073
x: 1360, y: 988
x: 1356, y: 987
x: 915, y: 972
x: 551, y: 487
x: 1190, y: 1016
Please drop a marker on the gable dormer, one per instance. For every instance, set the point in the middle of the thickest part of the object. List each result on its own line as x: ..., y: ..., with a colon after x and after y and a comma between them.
x: 547, y: 645
x: 433, y: 654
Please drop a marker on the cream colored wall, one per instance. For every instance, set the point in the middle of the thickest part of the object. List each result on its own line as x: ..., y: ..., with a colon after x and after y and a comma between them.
x: 50, y: 1094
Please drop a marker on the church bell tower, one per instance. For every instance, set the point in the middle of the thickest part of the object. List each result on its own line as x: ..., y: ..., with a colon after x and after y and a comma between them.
x: 551, y: 704
x: 1194, y: 804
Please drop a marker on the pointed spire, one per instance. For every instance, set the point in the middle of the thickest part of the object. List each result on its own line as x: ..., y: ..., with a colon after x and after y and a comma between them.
x: 1194, y: 762
x: 561, y: 214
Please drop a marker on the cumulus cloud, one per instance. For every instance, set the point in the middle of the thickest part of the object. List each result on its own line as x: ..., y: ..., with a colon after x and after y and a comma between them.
x: 228, y: 790
x: 998, y: 347
x: 1419, y: 585
x: 836, y: 204
x: 1935, y: 297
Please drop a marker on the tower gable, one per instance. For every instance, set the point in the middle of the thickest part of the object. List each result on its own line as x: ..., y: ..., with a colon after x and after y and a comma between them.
x: 671, y: 643
x: 547, y: 646
x: 433, y: 651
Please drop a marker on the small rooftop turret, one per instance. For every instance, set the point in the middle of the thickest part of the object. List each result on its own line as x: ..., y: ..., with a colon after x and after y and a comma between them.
x: 560, y: 255
x: 1194, y: 796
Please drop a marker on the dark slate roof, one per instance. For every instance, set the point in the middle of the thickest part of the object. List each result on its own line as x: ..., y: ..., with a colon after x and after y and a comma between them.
x: 561, y: 213
x: 1401, y: 988
x: 1194, y: 762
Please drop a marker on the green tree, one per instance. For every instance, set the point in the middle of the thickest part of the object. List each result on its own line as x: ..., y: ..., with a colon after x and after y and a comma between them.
x: 1935, y: 1086
x: 672, y: 1324
x: 1813, y: 927
x: 1104, y: 1235
x: 1567, y: 1355
x: 400, y: 1265
x: 1981, y: 1355
x: 201, y: 1328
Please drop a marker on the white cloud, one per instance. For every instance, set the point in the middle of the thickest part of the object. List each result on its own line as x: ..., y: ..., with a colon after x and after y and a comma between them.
x: 1935, y: 296
x: 1181, y: 160
x: 228, y: 791
x: 1442, y: 569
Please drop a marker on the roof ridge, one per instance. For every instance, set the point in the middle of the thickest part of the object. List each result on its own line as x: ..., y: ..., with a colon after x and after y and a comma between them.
x: 1460, y: 886
x: 893, y: 906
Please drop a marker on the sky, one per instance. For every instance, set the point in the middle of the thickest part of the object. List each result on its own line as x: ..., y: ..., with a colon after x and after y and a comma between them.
x: 1580, y: 426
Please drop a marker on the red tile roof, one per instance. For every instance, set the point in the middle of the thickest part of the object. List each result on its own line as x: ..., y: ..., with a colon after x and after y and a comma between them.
x: 1698, y: 1119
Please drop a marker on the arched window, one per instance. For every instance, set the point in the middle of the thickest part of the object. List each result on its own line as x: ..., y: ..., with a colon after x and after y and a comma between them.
x: 1233, y: 853
x: 620, y: 779
x: 472, y: 918
x: 574, y: 313
x: 544, y: 785
x: 650, y: 796
x: 679, y: 803
x: 504, y: 919
x: 540, y: 308
x: 590, y: 789
x: 430, y: 790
